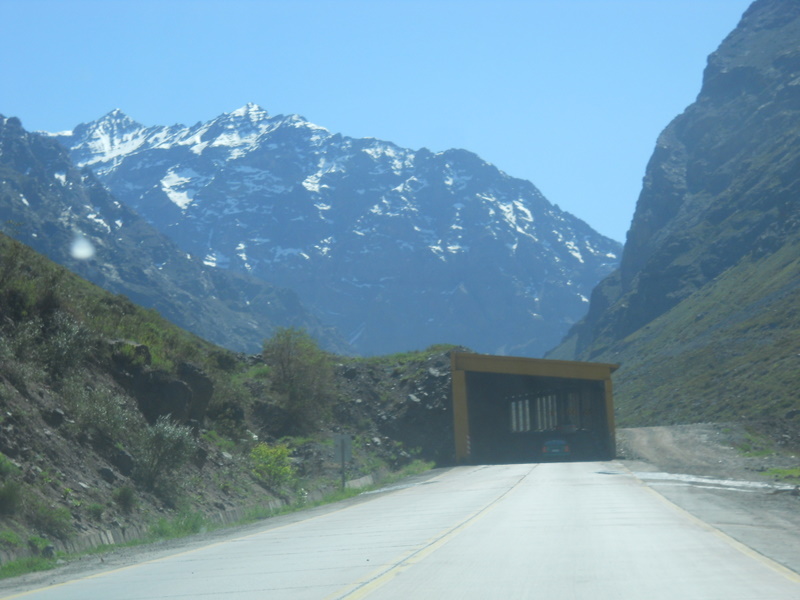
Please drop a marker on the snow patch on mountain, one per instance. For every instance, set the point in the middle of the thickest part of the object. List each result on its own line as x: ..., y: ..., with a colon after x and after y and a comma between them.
x: 179, y: 185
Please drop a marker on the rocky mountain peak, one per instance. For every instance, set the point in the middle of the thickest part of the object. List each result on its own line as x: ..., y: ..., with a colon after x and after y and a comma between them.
x: 251, y: 112
x: 49, y: 204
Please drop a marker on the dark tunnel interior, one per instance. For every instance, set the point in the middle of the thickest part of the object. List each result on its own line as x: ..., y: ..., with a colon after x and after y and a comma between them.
x: 512, y: 418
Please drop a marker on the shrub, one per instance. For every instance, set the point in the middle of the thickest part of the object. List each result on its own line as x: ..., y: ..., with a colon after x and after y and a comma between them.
x: 96, y: 510
x: 260, y: 372
x: 51, y: 520
x: 271, y: 465
x: 125, y: 497
x: 10, y: 497
x: 224, y: 444
x: 58, y: 343
x: 7, y: 468
x: 10, y: 488
x: 162, y: 449
x: 24, y: 340
x: 9, y: 539
x: 38, y: 543
x: 100, y: 410
x: 186, y: 523
x: 64, y: 345
x: 21, y: 566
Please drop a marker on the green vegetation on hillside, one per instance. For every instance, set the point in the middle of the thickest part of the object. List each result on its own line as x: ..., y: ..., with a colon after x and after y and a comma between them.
x: 112, y: 418
x: 729, y: 352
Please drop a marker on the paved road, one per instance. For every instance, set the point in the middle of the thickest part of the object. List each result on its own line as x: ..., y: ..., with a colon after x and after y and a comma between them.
x: 569, y: 531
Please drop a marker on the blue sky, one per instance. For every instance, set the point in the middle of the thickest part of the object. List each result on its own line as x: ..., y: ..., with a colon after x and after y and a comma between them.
x: 569, y: 94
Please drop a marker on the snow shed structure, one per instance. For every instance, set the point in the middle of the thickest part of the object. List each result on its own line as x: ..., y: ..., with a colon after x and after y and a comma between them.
x: 506, y: 408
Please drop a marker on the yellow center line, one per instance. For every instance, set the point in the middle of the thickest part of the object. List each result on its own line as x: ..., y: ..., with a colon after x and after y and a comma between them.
x: 383, y: 575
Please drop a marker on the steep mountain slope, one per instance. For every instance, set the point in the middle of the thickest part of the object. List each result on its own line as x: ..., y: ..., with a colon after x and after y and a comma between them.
x: 397, y: 248
x: 117, y: 425
x: 703, y: 312
x: 50, y: 205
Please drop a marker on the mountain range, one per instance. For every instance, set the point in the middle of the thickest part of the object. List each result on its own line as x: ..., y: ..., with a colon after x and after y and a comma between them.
x: 397, y: 249
x: 64, y: 213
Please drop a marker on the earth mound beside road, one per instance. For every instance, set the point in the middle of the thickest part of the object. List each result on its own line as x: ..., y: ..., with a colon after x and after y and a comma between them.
x: 723, y: 451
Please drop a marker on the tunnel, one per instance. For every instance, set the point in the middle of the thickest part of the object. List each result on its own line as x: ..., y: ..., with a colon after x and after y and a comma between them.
x: 523, y: 410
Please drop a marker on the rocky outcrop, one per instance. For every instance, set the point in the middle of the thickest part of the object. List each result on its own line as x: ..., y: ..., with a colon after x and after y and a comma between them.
x: 409, y: 401
x: 185, y: 397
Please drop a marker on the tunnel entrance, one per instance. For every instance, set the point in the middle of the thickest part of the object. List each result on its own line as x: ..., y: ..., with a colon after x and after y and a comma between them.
x: 512, y: 410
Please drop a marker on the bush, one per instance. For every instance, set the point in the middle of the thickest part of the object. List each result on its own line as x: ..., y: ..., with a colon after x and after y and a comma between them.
x: 125, y: 497
x: 96, y: 511
x: 30, y: 564
x: 24, y: 340
x: 10, y: 539
x: 65, y: 344
x: 224, y: 444
x: 162, y: 449
x: 186, y: 523
x: 99, y: 410
x: 19, y: 373
x: 58, y: 343
x: 7, y: 468
x: 10, y: 497
x: 10, y: 489
x: 271, y: 465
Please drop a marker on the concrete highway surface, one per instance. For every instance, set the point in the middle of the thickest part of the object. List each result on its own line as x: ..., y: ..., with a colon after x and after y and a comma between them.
x: 566, y: 531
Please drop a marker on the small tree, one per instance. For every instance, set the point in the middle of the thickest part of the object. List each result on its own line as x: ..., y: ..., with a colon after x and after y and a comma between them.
x: 302, y: 374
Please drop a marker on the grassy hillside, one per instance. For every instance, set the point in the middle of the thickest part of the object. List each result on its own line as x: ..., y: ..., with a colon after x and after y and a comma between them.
x: 729, y: 352
x: 114, y: 420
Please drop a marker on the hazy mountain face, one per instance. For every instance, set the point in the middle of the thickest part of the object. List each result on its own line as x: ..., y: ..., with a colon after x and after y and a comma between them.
x: 398, y: 249
x: 66, y: 214
x: 722, y: 182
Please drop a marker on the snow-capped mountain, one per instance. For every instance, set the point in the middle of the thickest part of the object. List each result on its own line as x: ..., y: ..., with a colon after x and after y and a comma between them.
x: 397, y: 248
x: 66, y: 214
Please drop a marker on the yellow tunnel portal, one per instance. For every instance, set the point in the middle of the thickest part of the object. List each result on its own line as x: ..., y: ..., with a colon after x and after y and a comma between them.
x: 509, y: 409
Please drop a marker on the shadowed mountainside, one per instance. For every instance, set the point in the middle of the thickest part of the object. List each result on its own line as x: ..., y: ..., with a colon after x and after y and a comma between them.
x: 703, y: 312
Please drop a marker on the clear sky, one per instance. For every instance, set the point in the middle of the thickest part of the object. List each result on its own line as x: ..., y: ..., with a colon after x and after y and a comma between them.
x: 569, y: 94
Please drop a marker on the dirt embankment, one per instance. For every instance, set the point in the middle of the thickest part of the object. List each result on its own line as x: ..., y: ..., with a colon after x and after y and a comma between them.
x: 725, y: 451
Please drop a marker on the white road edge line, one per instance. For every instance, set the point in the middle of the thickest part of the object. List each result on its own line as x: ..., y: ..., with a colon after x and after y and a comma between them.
x: 733, y: 542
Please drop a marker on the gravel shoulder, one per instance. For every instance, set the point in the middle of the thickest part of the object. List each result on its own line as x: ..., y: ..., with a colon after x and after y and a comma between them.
x: 698, y: 468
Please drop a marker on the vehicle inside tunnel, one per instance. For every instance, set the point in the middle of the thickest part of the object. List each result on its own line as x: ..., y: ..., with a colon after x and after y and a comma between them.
x: 521, y: 410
